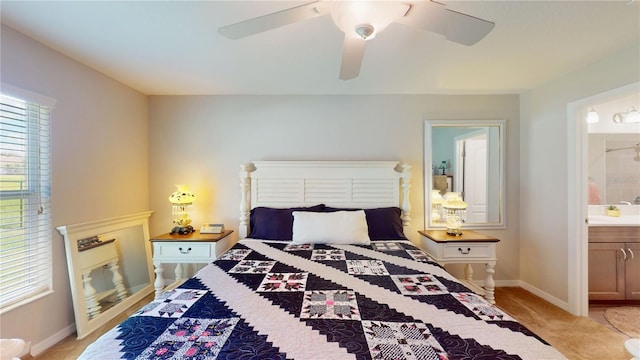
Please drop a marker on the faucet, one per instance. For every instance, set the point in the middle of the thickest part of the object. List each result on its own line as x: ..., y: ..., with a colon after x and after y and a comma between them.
x: 637, y: 200
x: 625, y: 202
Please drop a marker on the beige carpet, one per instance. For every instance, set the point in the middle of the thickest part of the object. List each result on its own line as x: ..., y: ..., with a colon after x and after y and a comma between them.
x: 625, y: 318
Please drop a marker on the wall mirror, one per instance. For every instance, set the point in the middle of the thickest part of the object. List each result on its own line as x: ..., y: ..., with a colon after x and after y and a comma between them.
x: 614, y: 165
x: 466, y: 157
x: 110, y: 268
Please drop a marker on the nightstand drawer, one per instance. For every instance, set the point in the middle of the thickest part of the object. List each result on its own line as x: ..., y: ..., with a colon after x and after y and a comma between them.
x: 177, y: 251
x: 97, y: 256
x: 465, y: 251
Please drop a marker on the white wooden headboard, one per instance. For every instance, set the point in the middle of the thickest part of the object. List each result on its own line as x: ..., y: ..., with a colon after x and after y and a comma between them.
x: 347, y: 184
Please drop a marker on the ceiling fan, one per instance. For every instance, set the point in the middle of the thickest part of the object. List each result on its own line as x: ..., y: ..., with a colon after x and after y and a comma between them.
x: 361, y: 20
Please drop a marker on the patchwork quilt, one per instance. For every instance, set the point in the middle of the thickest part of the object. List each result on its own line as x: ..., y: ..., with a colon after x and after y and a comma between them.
x: 275, y: 300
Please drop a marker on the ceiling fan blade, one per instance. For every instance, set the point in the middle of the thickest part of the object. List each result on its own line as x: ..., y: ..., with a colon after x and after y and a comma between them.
x: 458, y: 27
x: 352, y: 52
x: 274, y: 20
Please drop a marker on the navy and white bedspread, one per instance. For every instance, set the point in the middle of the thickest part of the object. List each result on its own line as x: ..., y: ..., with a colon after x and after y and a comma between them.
x: 274, y: 300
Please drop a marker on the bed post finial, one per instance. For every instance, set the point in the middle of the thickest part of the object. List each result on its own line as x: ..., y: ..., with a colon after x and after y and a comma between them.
x: 406, y: 186
x: 245, y: 192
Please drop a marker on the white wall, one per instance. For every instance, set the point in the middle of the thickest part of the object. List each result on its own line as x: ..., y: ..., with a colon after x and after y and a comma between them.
x: 544, y: 235
x: 203, y: 140
x: 100, y: 164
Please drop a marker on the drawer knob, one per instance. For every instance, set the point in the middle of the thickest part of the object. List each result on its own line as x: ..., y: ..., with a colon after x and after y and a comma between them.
x: 184, y: 251
x: 464, y: 252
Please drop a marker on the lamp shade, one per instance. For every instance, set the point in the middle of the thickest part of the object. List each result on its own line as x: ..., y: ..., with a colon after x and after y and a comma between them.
x: 633, y: 116
x: 592, y: 116
x: 454, y: 201
x: 436, y: 198
x: 182, y: 196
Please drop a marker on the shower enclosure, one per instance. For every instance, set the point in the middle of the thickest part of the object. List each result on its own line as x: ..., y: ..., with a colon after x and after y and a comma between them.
x: 614, y: 168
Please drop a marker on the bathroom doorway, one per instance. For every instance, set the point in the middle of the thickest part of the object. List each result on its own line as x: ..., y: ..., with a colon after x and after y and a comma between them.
x: 609, y: 103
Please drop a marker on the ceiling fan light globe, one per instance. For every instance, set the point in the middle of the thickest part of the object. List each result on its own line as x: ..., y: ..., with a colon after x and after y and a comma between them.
x: 350, y: 16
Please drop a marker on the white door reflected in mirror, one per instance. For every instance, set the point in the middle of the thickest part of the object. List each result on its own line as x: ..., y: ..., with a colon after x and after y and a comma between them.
x: 473, y: 153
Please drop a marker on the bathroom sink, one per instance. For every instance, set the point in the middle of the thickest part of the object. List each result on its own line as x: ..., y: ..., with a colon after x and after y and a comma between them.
x: 622, y: 220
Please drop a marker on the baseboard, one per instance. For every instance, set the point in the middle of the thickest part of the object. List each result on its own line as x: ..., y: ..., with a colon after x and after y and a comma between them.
x: 564, y: 305
x: 530, y: 288
x: 499, y: 283
x: 42, y: 346
x: 507, y: 283
x: 25, y: 350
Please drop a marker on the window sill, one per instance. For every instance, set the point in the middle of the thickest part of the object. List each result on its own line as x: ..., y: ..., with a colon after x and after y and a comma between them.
x: 26, y: 301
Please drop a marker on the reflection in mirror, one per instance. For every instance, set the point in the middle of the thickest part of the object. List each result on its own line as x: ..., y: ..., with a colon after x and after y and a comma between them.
x: 614, y: 165
x: 465, y: 157
x: 109, y: 267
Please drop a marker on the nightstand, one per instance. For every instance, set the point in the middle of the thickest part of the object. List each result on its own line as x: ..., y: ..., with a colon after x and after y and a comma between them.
x: 468, y: 248
x: 194, y: 248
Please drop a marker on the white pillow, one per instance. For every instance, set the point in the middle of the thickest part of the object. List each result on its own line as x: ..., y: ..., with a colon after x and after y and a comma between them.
x: 339, y: 227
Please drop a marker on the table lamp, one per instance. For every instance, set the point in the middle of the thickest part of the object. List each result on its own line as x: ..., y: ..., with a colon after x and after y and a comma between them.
x: 443, y: 167
x: 180, y: 200
x: 455, y: 212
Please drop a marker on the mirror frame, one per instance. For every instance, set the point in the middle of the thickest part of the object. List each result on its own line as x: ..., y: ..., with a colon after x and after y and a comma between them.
x: 428, y: 170
x: 75, y: 232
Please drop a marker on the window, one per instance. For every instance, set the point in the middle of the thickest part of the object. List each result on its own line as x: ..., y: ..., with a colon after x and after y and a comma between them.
x: 25, y: 193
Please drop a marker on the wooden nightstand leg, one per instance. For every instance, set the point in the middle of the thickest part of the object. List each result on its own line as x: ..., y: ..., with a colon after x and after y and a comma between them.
x: 179, y: 272
x: 489, y: 284
x: 159, y: 283
x: 468, y: 273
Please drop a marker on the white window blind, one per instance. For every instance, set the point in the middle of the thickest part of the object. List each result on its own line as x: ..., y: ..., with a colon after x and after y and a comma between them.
x: 25, y: 194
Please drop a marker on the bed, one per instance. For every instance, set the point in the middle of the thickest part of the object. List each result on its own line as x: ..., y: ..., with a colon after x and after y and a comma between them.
x: 323, y: 270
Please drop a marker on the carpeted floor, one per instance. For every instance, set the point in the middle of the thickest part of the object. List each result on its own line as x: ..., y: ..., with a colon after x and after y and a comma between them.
x: 625, y: 318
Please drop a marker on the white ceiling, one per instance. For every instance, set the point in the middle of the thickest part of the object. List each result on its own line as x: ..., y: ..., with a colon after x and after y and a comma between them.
x: 172, y: 47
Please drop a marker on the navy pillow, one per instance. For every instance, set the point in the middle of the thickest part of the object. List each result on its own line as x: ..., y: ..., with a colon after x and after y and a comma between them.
x: 275, y: 224
x: 384, y: 223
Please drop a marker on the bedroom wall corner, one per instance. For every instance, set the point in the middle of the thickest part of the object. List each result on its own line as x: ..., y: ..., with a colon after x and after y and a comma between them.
x: 99, y: 132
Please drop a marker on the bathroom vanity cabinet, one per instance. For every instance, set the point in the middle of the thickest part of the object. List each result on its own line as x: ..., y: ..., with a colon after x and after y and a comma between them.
x: 614, y: 263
